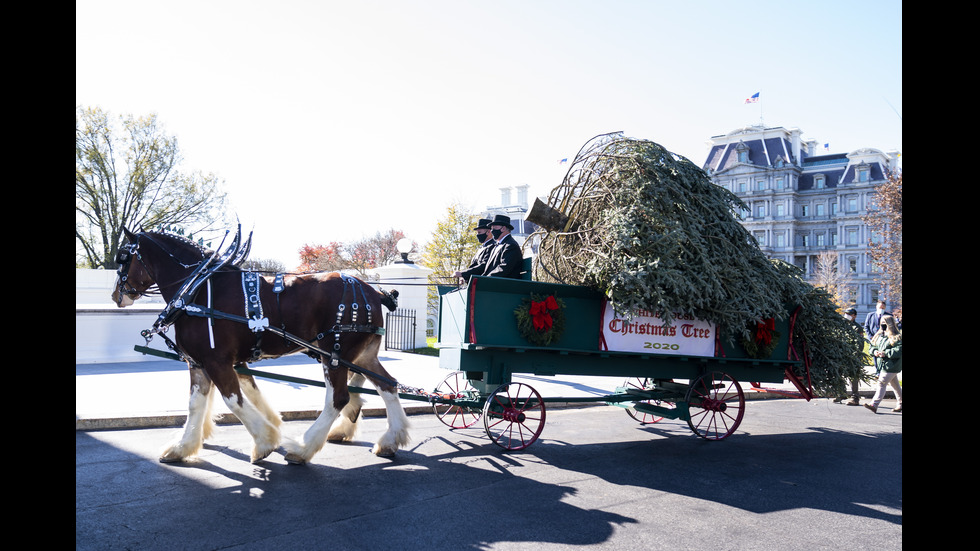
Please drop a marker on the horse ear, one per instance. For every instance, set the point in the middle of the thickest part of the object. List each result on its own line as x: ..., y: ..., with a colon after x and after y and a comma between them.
x: 129, y: 235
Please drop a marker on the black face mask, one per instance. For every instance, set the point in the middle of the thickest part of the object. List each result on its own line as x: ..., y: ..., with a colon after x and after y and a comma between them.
x: 496, y: 234
x: 481, y: 237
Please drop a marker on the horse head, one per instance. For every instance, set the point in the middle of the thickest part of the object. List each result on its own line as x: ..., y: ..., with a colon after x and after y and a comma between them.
x: 132, y: 278
x: 148, y: 259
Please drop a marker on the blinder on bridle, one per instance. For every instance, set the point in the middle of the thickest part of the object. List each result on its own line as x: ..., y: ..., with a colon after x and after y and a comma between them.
x: 123, y: 258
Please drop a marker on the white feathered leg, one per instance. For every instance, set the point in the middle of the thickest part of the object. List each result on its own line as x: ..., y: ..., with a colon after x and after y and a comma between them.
x: 345, y: 427
x: 199, y: 425
x: 303, y: 450
x: 265, y: 434
x: 252, y: 394
x: 397, y: 434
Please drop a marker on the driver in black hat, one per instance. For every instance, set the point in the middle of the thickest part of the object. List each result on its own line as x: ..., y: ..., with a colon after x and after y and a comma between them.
x: 482, y: 256
x: 507, y: 259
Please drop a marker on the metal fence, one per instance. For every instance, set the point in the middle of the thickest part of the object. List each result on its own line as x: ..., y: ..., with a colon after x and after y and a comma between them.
x: 400, y: 329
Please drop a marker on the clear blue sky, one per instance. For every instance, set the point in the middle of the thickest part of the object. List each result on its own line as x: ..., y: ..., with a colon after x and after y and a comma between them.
x: 334, y: 120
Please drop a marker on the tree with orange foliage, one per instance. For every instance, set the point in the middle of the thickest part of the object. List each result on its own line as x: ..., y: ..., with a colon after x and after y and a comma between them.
x: 321, y: 258
x: 884, y: 219
x: 359, y: 256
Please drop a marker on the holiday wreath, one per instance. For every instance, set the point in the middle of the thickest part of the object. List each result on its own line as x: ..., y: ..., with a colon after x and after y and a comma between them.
x: 763, y: 341
x: 541, y: 320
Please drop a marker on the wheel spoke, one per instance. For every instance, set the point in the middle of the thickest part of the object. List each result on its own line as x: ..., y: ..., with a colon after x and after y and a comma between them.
x: 513, y: 416
x: 456, y: 386
x: 716, y: 410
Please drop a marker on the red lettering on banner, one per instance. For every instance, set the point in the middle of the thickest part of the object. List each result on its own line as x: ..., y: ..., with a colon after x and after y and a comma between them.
x: 693, y: 332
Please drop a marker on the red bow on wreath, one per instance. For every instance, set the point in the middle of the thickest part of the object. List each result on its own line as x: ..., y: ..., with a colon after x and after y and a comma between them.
x: 763, y: 333
x: 541, y: 315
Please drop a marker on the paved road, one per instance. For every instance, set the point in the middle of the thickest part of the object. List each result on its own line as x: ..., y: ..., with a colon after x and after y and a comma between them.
x: 796, y: 475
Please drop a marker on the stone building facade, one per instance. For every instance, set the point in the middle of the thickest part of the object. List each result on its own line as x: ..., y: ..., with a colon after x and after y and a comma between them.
x: 802, y: 201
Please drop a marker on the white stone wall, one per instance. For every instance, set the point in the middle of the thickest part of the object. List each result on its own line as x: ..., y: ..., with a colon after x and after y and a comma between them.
x: 104, y: 335
x: 104, y: 332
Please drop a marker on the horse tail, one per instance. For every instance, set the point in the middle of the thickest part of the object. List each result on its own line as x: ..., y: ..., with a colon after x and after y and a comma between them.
x: 390, y: 299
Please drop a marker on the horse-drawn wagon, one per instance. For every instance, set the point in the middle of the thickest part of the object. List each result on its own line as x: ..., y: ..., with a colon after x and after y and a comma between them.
x: 689, y: 370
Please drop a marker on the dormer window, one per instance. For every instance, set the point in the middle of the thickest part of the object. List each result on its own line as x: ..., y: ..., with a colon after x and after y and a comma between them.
x: 742, y: 151
x: 862, y: 173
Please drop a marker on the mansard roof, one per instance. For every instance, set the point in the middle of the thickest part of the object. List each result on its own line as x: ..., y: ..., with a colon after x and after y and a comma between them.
x: 838, y: 169
x: 765, y: 146
x: 877, y: 172
x: 762, y: 152
x: 832, y: 167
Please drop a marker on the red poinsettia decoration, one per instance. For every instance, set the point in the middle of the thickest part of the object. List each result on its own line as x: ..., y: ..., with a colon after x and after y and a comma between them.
x: 541, y: 313
x: 764, y: 331
x: 541, y: 319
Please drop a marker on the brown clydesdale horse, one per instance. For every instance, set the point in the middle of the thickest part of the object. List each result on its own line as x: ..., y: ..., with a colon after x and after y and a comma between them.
x: 306, y: 307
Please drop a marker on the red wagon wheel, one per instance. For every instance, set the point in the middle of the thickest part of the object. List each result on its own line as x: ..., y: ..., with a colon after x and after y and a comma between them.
x: 513, y: 416
x: 456, y: 386
x: 642, y: 417
x: 716, y: 404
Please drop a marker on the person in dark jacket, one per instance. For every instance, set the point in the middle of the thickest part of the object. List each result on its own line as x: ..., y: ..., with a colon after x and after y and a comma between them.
x: 886, y: 346
x: 479, y: 262
x: 507, y: 260
x: 851, y: 315
x: 871, y: 322
x: 873, y: 318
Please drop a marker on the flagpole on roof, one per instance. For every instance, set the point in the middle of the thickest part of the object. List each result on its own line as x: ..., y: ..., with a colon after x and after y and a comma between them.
x: 761, y: 121
x: 757, y: 98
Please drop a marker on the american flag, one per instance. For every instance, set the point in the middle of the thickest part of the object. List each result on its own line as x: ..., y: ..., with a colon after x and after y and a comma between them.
x: 753, y: 99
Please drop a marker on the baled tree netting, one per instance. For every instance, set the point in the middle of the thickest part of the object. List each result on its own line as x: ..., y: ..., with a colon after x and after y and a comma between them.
x: 651, y: 231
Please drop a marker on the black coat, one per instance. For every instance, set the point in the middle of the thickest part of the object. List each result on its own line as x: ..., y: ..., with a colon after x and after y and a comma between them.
x: 479, y: 263
x: 507, y: 259
x: 873, y: 322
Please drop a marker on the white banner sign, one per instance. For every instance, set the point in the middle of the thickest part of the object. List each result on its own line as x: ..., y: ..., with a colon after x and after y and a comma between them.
x: 647, y: 333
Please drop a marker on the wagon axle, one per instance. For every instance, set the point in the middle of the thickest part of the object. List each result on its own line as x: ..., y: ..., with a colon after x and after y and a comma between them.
x: 710, y: 404
x: 513, y: 415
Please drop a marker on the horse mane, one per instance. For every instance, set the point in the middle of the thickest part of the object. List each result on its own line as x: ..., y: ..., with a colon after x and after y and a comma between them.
x: 180, y: 247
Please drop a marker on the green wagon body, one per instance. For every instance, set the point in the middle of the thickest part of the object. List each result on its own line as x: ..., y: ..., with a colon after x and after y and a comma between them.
x: 478, y: 334
x: 480, y: 338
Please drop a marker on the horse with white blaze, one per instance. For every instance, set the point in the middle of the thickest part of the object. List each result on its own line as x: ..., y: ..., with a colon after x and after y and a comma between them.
x: 223, y: 317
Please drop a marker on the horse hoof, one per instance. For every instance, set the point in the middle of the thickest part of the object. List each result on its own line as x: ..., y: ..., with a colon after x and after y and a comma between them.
x: 172, y: 455
x: 294, y: 459
x: 338, y: 437
x: 383, y: 452
x: 260, y: 455
x: 168, y: 459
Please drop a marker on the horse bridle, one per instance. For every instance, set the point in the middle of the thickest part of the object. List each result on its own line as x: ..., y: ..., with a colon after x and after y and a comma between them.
x: 125, y: 257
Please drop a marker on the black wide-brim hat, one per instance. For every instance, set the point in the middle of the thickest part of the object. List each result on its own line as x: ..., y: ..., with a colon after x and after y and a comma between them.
x: 501, y: 220
x: 483, y: 224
